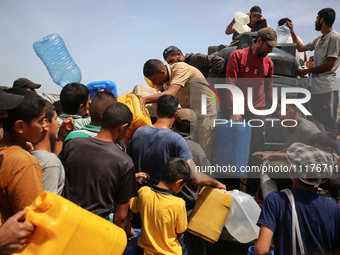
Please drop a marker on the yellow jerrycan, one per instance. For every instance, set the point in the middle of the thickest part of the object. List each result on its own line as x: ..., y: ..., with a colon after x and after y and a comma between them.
x: 139, y: 120
x: 64, y: 228
x: 209, y: 213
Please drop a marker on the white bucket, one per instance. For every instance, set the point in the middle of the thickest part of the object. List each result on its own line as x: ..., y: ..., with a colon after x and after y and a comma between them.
x: 241, y: 18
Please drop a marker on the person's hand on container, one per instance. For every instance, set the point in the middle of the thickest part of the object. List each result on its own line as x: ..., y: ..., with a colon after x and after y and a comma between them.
x: 65, y: 128
x: 290, y: 26
x: 302, y: 72
x: 264, y: 155
x: 14, y: 234
x: 142, y: 177
x: 221, y: 186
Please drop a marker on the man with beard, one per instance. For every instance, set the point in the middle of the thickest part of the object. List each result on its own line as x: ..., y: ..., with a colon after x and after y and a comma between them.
x: 251, y: 67
x: 324, y: 101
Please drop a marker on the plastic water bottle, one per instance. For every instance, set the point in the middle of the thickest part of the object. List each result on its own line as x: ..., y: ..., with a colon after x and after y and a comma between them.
x: 52, y: 51
x: 283, y: 33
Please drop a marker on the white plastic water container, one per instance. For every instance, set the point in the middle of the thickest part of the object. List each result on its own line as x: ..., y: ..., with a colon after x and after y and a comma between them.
x: 243, y: 214
x: 241, y: 18
x: 241, y: 28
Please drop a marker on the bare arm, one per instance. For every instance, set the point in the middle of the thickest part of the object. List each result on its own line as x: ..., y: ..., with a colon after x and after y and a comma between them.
x: 299, y: 46
x: 277, y: 156
x: 14, y: 234
x: 262, y: 245
x: 319, y: 69
x: 173, y: 90
x: 120, y: 214
x: 230, y: 30
x: 65, y: 128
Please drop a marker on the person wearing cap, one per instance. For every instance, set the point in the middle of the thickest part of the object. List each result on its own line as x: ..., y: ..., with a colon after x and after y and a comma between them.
x: 210, y: 66
x: 27, y: 84
x: 319, y: 217
x: 8, y: 101
x: 252, y: 68
x: 14, y: 234
x: 23, y: 182
x: 185, y: 125
x: 325, y: 89
x: 257, y: 21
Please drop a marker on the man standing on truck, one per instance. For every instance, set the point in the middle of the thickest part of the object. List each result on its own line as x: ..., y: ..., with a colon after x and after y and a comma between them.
x: 254, y: 64
x: 210, y: 65
x: 257, y: 21
x: 325, y: 91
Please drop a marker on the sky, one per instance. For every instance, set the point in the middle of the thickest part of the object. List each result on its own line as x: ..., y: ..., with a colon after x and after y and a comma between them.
x: 112, y: 39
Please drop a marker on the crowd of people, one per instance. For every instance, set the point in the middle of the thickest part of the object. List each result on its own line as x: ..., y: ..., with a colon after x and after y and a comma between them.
x: 78, y: 148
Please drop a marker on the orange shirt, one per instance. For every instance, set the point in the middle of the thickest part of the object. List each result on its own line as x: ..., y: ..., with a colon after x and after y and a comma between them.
x: 20, y: 182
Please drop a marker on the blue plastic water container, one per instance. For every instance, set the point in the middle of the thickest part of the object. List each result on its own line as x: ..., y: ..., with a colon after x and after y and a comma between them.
x: 52, y: 51
x: 97, y: 86
x: 132, y: 248
x: 232, y: 147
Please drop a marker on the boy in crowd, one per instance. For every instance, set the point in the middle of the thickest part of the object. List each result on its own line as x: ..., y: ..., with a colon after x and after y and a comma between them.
x: 75, y: 102
x: 164, y: 217
x: 24, y: 83
x: 14, y: 234
x: 151, y: 147
x: 319, y: 218
x: 100, y: 101
x: 52, y: 168
x: 98, y: 174
x: 21, y: 176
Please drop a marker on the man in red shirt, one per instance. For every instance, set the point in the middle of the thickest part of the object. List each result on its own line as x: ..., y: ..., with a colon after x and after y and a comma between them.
x: 251, y: 67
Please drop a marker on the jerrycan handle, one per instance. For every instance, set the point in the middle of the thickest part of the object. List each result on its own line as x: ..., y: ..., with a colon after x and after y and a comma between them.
x: 41, y: 204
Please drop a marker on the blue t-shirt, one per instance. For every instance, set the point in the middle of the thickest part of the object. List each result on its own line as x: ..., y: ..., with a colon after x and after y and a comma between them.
x: 150, y: 148
x: 319, y: 220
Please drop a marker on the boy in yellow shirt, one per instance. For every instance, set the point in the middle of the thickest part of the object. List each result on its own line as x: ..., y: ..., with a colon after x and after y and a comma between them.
x: 163, y: 215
